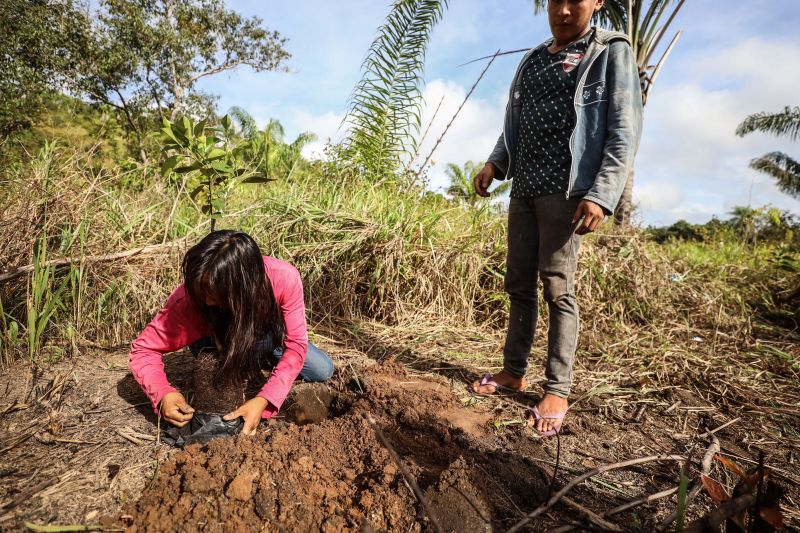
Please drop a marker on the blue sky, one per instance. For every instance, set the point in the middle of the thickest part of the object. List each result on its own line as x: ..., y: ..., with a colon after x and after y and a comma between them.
x: 734, y: 58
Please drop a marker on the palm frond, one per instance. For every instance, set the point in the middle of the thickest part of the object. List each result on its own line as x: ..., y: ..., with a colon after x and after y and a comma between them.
x: 783, y: 168
x: 302, y: 141
x: 245, y: 122
x: 502, y: 188
x: 384, y: 109
x: 274, y: 129
x: 786, y: 122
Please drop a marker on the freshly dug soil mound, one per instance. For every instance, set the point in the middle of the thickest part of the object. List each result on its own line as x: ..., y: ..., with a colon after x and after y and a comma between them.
x: 209, y: 395
x: 335, y: 475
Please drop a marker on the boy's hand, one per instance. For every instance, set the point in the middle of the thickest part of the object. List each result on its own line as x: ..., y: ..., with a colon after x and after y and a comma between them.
x: 592, y: 215
x: 175, y: 410
x: 251, y: 411
x: 483, y: 179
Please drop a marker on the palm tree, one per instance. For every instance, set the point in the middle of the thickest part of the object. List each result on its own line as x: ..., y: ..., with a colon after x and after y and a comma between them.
x: 780, y: 166
x: 462, y: 186
x: 270, y: 154
x: 639, y: 20
x: 384, y: 109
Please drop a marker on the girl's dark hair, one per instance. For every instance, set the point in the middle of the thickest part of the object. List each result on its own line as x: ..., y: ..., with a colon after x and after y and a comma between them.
x: 227, y: 267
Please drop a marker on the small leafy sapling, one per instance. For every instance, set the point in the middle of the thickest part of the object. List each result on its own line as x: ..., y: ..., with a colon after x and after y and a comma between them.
x: 211, y: 160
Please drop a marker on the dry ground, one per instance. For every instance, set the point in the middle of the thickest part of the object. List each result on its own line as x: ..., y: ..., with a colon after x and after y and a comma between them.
x: 78, y: 446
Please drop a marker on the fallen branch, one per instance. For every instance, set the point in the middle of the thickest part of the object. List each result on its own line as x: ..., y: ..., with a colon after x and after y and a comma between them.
x: 623, y: 507
x: 67, y: 528
x: 723, y: 426
x: 575, y: 481
x: 14, y: 407
x: 640, y: 501
x: 67, y: 261
x: 712, y: 449
x: 406, y: 474
x: 588, y: 513
x: 28, y: 494
x: 593, y: 517
x: 128, y: 437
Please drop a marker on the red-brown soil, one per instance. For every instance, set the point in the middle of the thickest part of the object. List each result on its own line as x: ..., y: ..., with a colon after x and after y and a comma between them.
x: 78, y: 442
x: 210, y: 395
x: 335, y: 475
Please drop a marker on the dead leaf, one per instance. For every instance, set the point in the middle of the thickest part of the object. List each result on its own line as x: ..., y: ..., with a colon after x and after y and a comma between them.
x: 730, y: 465
x: 714, y: 489
x: 772, y: 515
x: 755, y: 477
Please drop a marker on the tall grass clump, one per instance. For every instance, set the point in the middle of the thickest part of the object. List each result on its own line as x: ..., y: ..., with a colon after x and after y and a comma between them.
x: 373, y: 251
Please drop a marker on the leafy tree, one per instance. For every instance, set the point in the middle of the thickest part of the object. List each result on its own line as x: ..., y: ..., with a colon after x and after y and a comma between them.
x: 780, y: 166
x: 150, y: 54
x: 640, y: 20
x: 462, y: 186
x: 384, y: 109
x: 42, y: 41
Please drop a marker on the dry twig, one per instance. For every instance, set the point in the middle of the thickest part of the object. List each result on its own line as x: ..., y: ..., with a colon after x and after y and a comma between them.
x: 599, y: 470
x: 723, y: 512
x: 67, y: 261
x: 406, y: 474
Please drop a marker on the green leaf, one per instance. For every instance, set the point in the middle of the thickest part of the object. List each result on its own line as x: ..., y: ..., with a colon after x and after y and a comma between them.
x: 168, y: 131
x: 226, y: 122
x: 215, y: 153
x: 188, y: 168
x: 186, y: 125
x: 197, y: 190
x: 199, y: 127
x: 168, y: 165
x: 221, y: 166
x: 257, y: 178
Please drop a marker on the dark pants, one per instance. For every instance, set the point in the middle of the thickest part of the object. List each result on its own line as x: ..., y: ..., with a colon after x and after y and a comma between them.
x: 542, y: 242
x: 318, y: 365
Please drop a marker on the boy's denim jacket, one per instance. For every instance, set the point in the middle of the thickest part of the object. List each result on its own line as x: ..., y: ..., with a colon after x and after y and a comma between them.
x: 608, y: 110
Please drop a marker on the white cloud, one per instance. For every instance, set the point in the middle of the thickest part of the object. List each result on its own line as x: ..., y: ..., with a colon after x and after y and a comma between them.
x: 689, y: 142
x: 325, y: 126
x: 658, y: 196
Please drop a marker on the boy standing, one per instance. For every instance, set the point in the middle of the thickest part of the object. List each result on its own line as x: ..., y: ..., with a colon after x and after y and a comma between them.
x: 571, y: 131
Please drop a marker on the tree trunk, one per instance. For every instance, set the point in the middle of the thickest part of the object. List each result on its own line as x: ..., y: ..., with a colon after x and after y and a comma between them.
x: 622, y: 216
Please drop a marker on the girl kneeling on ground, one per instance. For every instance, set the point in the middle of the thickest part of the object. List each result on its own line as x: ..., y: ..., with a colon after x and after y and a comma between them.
x: 247, y: 307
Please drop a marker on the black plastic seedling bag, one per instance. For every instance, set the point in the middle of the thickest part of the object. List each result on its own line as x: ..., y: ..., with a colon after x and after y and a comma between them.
x: 202, y: 428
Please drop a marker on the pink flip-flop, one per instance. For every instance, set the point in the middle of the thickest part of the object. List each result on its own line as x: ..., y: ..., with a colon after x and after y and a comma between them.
x: 556, y: 416
x: 487, y: 380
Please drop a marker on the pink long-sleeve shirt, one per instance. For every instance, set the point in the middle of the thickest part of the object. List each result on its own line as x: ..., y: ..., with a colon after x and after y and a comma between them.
x: 180, y: 323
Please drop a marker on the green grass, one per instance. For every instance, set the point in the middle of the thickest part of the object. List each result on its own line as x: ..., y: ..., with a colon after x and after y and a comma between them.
x: 387, y: 252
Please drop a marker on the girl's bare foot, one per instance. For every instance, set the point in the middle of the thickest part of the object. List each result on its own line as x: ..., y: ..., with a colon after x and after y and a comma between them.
x: 502, y: 378
x: 550, y: 405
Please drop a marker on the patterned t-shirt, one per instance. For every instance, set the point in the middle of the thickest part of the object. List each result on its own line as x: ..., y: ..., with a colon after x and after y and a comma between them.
x: 543, y: 159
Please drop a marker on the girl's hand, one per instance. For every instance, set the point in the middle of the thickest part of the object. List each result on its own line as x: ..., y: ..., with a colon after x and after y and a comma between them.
x: 251, y: 411
x: 175, y: 410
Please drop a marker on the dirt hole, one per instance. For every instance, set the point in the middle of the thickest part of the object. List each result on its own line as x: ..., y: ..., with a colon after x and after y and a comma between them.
x: 321, y: 467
